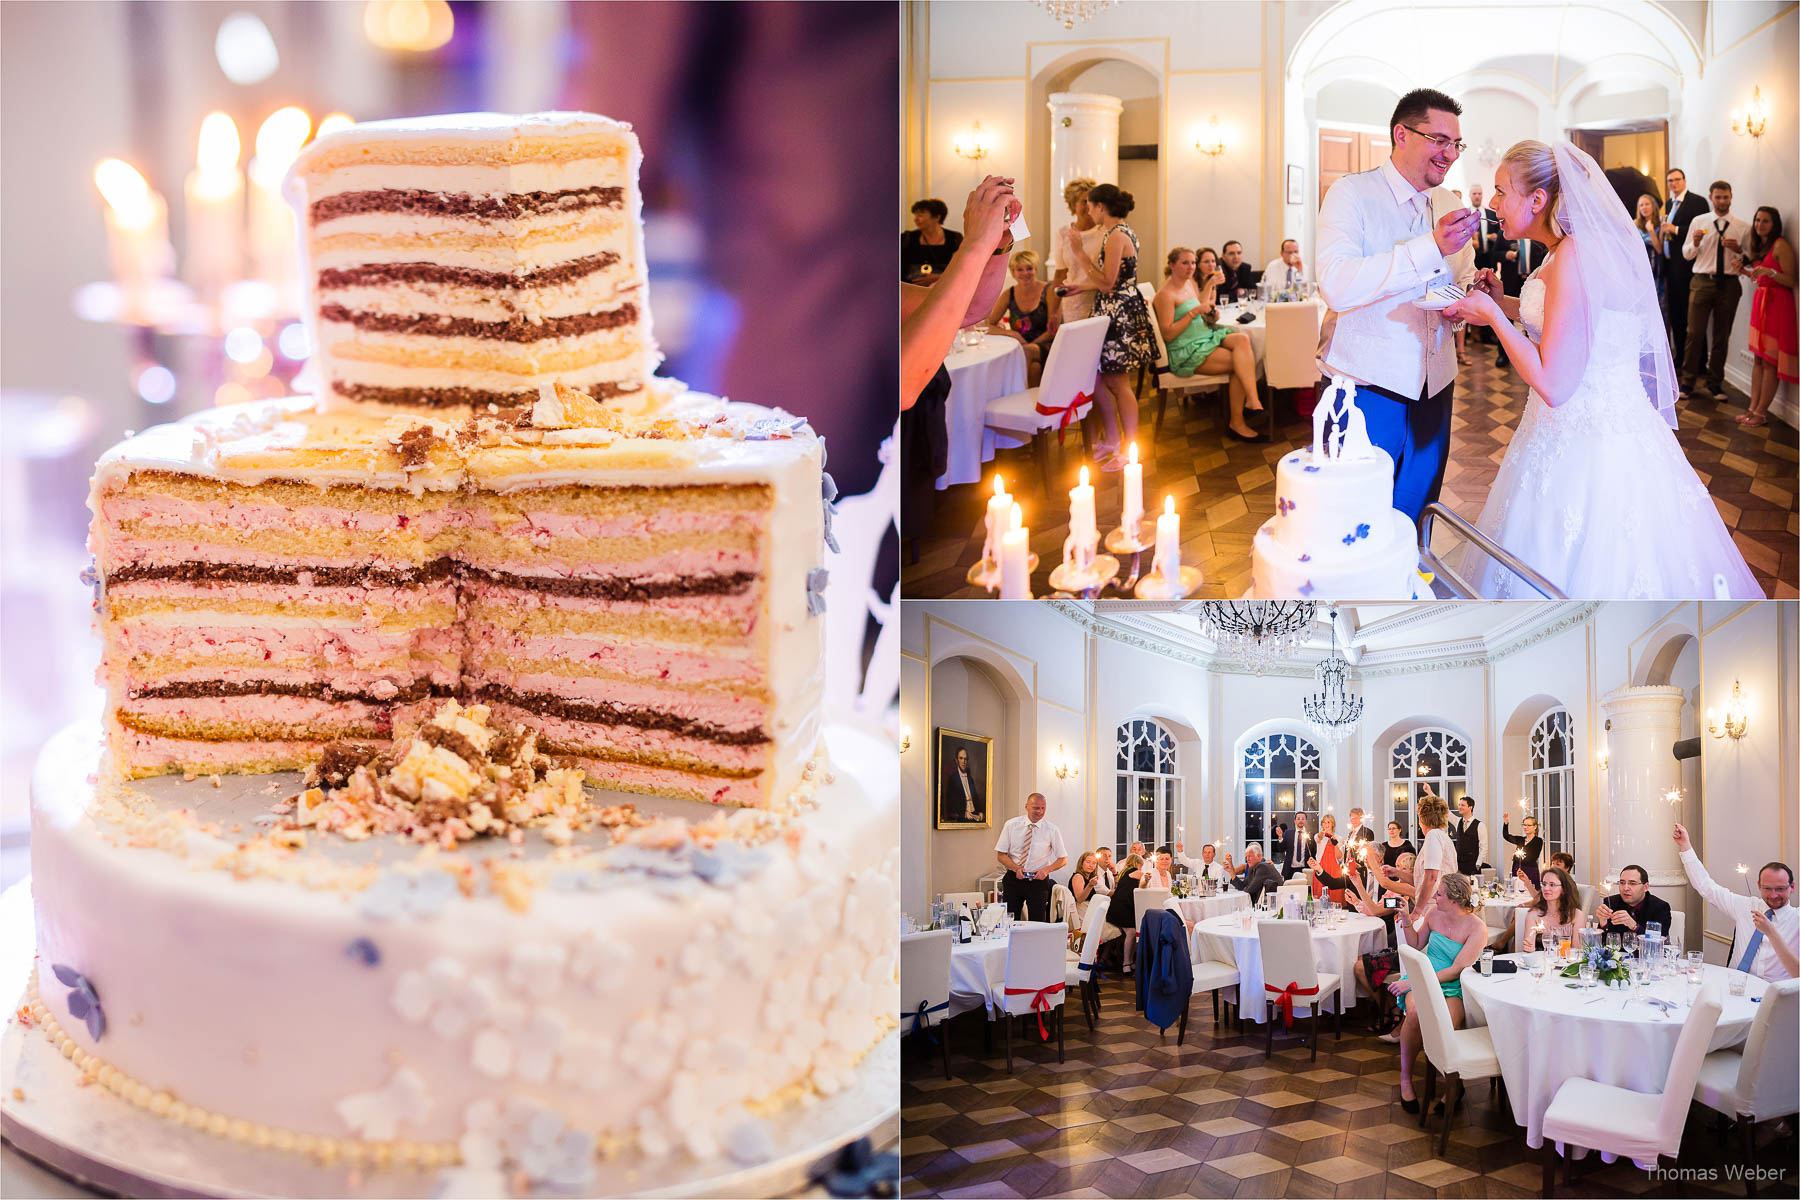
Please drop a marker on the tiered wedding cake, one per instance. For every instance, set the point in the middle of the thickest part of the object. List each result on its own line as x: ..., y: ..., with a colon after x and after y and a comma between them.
x: 1336, y: 532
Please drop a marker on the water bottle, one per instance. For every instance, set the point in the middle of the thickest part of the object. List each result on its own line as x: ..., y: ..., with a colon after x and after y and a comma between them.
x: 965, y: 924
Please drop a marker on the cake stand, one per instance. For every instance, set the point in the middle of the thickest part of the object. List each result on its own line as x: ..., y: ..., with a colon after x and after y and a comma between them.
x: 101, y: 1142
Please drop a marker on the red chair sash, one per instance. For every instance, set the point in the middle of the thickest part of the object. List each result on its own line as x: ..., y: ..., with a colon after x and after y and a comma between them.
x: 1068, y: 412
x: 1040, y: 1001
x: 1284, y: 999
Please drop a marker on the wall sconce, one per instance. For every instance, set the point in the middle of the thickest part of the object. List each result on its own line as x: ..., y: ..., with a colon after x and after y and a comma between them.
x: 1751, y: 120
x: 1062, y: 767
x: 1605, y: 755
x: 905, y: 738
x: 1737, y: 721
x: 1212, y: 139
x: 971, y: 145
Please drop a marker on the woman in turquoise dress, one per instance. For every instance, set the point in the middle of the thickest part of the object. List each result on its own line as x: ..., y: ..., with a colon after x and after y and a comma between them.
x: 1184, y: 312
x: 1453, y: 938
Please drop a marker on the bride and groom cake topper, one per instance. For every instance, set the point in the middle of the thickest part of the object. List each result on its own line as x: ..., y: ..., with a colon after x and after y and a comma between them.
x: 1594, y: 492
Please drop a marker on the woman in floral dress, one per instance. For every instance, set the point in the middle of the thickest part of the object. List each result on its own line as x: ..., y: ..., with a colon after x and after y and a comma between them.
x: 1129, y: 343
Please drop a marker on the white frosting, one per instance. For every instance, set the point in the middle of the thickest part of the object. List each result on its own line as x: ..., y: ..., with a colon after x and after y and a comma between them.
x: 1386, y: 571
x: 1321, y: 501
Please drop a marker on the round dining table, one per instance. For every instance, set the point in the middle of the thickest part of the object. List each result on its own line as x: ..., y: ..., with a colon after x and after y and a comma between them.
x: 977, y: 973
x: 992, y: 368
x: 1226, y: 939
x: 1193, y: 909
x: 1545, y: 1033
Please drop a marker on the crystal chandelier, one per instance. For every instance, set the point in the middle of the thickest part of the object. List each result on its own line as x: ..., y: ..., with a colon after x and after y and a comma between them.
x: 1332, y: 710
x: 1069, y: 12
x: 1257, y: 633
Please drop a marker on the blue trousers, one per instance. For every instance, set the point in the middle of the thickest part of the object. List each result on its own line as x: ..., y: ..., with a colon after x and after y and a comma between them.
x: 1417, y: 434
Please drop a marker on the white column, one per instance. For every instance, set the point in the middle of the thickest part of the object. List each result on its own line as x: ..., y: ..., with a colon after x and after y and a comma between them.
x: 1084, y: 141
x: 1641, y: 771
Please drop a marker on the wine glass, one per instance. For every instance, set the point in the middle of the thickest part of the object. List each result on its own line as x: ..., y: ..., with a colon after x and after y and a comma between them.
x: 1589, y: 976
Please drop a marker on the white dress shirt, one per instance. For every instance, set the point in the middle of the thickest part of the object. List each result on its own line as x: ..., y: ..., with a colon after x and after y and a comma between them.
x: 1215, y: 870
x: 1046, y: 844
x: 1739, y: 907
x: 1375, y: 256
x: 1457, y: 825
x: 1705, y: 256
x: 1278, y: 274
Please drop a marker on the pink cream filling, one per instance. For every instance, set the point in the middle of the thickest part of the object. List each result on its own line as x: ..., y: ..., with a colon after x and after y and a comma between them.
x: 357, y: 648
x: 668, y: 664
x: 580, y: 525
x: 396, y: 599
x: 740, y: 610
x: 746, y: 793
x: 675, y: 564
x: 260, y: 518
x: 322, y: 715
x: 630, y: 738
x: 714, y: 708
x: 136, y: 749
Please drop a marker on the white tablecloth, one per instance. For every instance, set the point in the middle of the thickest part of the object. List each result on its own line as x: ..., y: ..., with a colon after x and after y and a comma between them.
x: 1225, y: 940
x: 986, y: 372
x: 1499, y: 913
x: 1196, y: 908
x: 1257, y: 329
x: 1546, y: 1034
x: 977, y: 974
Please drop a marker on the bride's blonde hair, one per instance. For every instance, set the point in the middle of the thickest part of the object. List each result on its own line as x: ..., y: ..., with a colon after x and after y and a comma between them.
x: 1533, y: 166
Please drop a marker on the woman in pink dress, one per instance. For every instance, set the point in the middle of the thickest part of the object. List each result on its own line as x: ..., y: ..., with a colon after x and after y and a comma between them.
x: 1774, y: 337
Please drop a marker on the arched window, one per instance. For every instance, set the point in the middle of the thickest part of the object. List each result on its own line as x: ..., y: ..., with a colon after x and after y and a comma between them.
x: 1548, y: 783
x: 1282, y: 778
x: 1434, y: 756
x: 1149, y: 788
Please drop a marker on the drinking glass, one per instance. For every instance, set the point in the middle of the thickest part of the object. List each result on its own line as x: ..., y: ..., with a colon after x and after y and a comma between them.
x: 1652, y: 928
x: 1739, y: 981
x: 1696, y: 962
x: 1588, y: 974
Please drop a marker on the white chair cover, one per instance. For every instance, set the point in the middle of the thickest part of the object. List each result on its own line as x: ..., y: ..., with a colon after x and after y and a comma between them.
x: 1677, y: 930
x: 1069, y: 372
x: 1288, y: 965
x: 1036, y: 958
x: 1761, y: 1079
x: 1468, y: 1053
x: 1062, y: 903
x: 924, y: 979
x: 1291, y: 352
x: 1147, y: 900
x: 1590, y: 897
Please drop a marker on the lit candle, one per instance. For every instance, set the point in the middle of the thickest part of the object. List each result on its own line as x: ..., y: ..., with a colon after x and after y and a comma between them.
x: 1134, y: 494
x: 1168, y: 546
x: 273, y: 225
x: 137, y: 230
x: 998, y: 509
x: 215, y: 210
x: 1015, y: 561
x: 1081, y: 510
x: 333, y: 123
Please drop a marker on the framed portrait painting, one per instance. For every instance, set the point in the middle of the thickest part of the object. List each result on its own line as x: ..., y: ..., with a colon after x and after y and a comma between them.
x: 1296, y: 183
x: 965, y: 780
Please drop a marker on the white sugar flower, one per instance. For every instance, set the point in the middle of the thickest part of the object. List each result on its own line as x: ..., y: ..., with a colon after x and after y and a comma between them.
x: 376, y: 1116
x: 599, y: 962
x: 536, y: 968
x: 538, y: 1045
x: 584, y: 1062
x: 444, y: 996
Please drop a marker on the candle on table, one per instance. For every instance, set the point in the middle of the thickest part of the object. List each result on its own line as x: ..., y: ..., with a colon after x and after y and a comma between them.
x: 215, y: 210
x: 137, y: 230
x: 1134, y: 494
x: 273, y: 225
x: 1168, y: 546
x: 1015, y: 562
x: 1081, y: 510
x: 999, y: 508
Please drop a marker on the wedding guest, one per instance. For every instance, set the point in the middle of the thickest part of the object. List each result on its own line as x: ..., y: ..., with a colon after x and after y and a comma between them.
x: 1399, y: 877
x: 1714, y: 244
x: 1363, y: 890
x: 1029, y: 849
x: 1183, y: 311
x: 1530, y: 845
x: 1129, y: 343
x: 1030, y: 320
x: 1076, y: 286
x: 1465, y: 272
x: 1106, y: 877
x: 1766, y: 943
x: 1301, y: 849
x: 1437, y: 857
x: 1285, y: 269
x: 1281, y: 853
x: 1156, y: 873
x: 1121, y: 910
x: 1774, y: 335
x: 1397, y: 844
x: 1649, y: 226
x: 1680, y: 210
x: 1634, y: 906
x: 1138, y: 849
x: 1326, y: 861
x: 1240, y: 277
x: 1565, y: 860
x: 1207, y: 866
x: 1452, y: 937
x: 1465, y: 834
x: 1257, y: 875
x: 1356, y: 830
x: 1082, y: 886
x: 1490, y: 246
x: 1555, y: 914
x: 926, y: 248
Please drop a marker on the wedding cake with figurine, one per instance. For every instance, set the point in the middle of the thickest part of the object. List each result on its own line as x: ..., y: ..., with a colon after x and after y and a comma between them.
x: 1336, y: 532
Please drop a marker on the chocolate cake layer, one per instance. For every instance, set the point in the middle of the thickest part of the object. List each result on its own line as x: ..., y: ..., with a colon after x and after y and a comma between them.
x: 518, y: 329
x: 459, y: 396
x: 417, y: 202
x: 209, y: 572
x: 619, y: 589
x: 618, y: 714
x: 375, y: 274
x: 316, y: 690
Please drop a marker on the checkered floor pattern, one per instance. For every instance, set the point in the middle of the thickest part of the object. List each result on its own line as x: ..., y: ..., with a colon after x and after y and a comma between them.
x: 1225, y: 489
x: 1128, y: 1114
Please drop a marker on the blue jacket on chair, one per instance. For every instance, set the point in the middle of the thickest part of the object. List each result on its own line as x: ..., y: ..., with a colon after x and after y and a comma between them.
x: 1165, y: 975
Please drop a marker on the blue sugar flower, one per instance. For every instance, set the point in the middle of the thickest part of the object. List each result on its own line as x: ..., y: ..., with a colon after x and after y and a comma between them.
x: 1306, y: 558
x: 1362, y: 531
x: 1349, y: 539
x: 816, y: 579
x: 1306, y: 589
x: 84, y: 1002
x: 364, y: 951
x: 397, y: 893
x: 1309, y: 467
x: 769, y: 428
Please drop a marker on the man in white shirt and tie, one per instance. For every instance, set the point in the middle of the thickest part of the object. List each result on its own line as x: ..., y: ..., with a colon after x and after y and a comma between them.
x: 1715, y: 245
x: 1767, y: 941
x: 1386, y: 237
x: 1285, y: 269
x: 1029, y: 849
x: 1206, y: 866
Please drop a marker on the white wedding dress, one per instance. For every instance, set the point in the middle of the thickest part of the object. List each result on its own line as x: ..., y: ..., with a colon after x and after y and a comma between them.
x: 1596, y: 494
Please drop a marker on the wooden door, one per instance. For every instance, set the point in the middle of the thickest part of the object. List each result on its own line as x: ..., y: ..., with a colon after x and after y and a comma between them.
x: 1345, y: 152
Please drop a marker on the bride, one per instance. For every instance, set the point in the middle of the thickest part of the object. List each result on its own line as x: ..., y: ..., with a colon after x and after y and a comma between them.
x: 1595, y: 493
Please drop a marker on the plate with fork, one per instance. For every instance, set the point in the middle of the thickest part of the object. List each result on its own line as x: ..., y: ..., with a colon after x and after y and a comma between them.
x: 1440, y: 298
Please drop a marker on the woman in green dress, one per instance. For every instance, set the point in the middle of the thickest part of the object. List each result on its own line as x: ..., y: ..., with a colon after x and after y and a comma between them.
x: 1184, y: 312
x: 1452, y: 938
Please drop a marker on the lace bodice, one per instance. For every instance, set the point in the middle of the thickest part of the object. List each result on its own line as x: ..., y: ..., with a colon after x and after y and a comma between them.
x: 1611, y: 376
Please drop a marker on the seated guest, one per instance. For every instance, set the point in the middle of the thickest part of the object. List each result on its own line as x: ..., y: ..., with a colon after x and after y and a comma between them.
x: 1240, y: 276
x: 1137, y: 848
x: 926, y: 249
x: 1285, y: 269
x: 1399, y: 877
x: 1555, y: 914
x: 1121, y: 910
x: 1157, y: 872
x: 1030, y: 319
x: 1364, y: 892
x: 1104, y: 879
x: 1634, y: 906
x: 1184, y: 311
x: 1530, y: 845
x: 1565, y: 860
x: 1397, y: 844
x: 1081, y: 886
x: 1207, y: 866
x: 1452, y: 935
x: 1258, y: 875
x: 1767, y: 941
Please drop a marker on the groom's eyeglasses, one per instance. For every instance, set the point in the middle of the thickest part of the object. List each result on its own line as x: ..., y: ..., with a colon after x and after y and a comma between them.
x: 1442, y: 143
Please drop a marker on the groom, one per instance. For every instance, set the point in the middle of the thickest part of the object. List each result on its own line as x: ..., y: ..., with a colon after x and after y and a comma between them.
x: 1386, y: 236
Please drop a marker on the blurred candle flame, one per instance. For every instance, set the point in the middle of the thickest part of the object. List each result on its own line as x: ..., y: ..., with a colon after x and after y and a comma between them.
x: 126, y: 191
